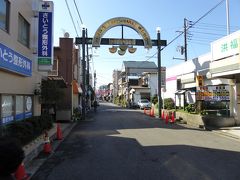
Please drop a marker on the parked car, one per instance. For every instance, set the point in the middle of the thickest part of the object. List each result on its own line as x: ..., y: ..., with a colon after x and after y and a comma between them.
x: 144, y: 103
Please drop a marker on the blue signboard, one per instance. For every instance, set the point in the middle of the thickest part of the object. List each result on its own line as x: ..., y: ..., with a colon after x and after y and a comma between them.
x: 7, y: 120
x: 45, y: 38
x: 19, y: 116
x: 13, y: 61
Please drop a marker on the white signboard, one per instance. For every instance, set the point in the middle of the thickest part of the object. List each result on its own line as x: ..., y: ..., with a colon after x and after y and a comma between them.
x: 226, y: 46
x: 213, y: 93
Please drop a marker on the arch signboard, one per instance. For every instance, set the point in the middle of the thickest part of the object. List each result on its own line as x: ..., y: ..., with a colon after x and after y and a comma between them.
x: 121, y: 21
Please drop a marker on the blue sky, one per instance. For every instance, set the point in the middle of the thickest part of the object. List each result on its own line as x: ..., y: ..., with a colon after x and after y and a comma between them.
x: 168, y: 15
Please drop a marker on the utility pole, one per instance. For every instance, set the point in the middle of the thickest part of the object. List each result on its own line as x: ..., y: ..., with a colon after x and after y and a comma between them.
x: 159, y: 73
x: 227, y: 14
x: 185, y: 39
x: 83, y: 74
x: 87, y: 75
x: 95, y: 80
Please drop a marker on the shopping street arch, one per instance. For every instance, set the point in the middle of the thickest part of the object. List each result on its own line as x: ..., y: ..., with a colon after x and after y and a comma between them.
x: 123, y: 44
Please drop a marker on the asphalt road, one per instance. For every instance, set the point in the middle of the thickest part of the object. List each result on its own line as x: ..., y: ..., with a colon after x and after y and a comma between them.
x: 124, y: 144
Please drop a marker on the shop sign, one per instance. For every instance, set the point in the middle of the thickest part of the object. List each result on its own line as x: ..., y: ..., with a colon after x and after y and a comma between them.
x: 13, y: 61
x: 7, y: 120
x: 45, y: 23
x: 122, y: 21
x: 163, y: 77
x: 213, y: 93
x: 226, y: 47
x: 199, y: 81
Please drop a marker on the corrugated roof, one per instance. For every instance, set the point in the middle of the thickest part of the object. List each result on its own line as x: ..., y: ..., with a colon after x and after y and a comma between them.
x: 139, y: 64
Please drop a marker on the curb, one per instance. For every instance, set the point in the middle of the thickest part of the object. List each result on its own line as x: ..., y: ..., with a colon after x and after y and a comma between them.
x: 33, y: 149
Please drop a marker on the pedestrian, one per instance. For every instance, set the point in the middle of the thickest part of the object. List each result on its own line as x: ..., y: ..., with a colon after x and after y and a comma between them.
x: 95, y: 105
x: 11, y: 156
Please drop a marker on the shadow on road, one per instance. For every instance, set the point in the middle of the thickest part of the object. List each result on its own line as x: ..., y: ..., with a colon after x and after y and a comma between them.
x: 126, y: 144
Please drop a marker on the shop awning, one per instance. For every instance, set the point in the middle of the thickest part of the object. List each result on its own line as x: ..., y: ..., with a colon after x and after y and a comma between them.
x: 180, y: 91
x: 60, y: 81
x: 76, y: 88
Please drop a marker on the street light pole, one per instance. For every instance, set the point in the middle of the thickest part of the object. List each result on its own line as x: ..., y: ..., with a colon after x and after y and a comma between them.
x: 159, y: 72
x: 83, y: 74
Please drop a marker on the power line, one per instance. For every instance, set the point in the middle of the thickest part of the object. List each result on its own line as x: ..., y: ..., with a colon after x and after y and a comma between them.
x: 194, y: 23
x: 78, y: 12
x: 71, y: 17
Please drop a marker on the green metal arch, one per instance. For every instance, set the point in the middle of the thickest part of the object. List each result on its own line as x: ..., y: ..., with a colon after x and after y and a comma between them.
x: 121, y: 21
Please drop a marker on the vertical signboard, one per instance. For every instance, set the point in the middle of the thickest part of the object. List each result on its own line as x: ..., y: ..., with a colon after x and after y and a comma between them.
x: 163, y: 77
x: 199, y: 81
x: 45, y: 28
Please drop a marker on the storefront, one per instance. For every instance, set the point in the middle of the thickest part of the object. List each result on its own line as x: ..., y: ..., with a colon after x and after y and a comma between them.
x: 15, y: 107
x: 225, y: 65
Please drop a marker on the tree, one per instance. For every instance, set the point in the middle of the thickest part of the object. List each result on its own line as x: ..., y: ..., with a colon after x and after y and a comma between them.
x: 51, y: 92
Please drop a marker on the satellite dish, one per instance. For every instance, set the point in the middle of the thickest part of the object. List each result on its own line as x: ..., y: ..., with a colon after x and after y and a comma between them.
x: 66, y: 35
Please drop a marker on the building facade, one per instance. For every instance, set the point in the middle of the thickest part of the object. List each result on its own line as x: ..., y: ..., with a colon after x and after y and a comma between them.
x: 129, y: 85
x: 210, y: 81
x: 115, y: 76
x: 20, y: 78
x: 66, y: 67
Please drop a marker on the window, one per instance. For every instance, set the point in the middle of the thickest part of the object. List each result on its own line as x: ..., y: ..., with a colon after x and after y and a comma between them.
x: 19, y: 108
x: 7, y: 109
x: 23, y: 31
x: 4, y: 15
x: 28, y: 106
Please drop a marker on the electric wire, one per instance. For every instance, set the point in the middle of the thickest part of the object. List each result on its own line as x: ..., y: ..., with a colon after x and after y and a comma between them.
x: 71, y: 17
x: 78, y: 12
x: 207, y: 13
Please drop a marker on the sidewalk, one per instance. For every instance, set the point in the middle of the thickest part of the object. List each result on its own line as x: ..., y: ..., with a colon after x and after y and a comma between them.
x: 233, y: 132
x: 33, y: 149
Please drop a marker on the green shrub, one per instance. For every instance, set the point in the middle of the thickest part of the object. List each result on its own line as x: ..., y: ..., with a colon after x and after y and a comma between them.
x: 124, y: 103
x: 190, y: 108
x: 21, y: 130
x: 116, y: 100
x: 28, y: 129
x: 77, y: 114
x: 154, y: 99
x: 169, y: 103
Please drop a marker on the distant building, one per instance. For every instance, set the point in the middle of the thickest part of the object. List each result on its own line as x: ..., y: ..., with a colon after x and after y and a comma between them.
x: 115, y: 76
x: 66, y: 67
x: 128, y: 83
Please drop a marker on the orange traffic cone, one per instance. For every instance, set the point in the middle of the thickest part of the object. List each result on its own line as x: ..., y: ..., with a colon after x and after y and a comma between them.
x: 173, y: 119
x: 59, y: 132
x: 47, y: 148
x: 166, y: 120
x: 152, y: 110
x: 149, y: 112
x: 20, y: 173
x: 162, y: 115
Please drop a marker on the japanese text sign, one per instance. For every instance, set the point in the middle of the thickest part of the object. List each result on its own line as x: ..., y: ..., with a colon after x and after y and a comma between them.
x: 45, y: 24
x: 13, y: 61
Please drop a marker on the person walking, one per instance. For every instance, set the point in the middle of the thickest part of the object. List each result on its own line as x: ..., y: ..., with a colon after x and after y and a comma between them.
x: 95, y: 105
